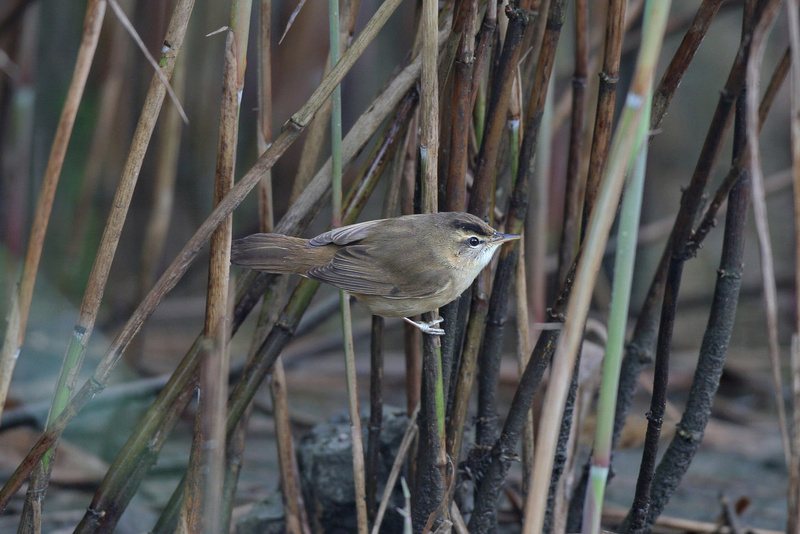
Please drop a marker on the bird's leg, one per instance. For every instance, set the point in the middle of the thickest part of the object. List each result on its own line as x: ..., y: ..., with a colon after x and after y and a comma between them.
x: 427, y: 328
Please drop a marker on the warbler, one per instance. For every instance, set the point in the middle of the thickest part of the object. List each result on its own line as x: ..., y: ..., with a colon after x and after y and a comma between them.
x: 397, y: 267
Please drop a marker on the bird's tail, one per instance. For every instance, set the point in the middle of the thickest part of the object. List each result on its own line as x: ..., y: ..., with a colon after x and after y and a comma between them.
x: 273, y: 253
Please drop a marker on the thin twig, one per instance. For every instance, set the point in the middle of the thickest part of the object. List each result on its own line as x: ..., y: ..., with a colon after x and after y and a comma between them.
x: 150, y: 59
x: 402, y: 450
x: 770, y: 294
x: 18, y: 314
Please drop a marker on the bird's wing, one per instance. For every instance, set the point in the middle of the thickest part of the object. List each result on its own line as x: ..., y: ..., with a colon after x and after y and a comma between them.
x: 353, y: 269
x: 345, y: 235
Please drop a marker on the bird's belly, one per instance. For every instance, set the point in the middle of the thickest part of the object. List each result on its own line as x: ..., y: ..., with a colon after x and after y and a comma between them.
x: 405, y: 307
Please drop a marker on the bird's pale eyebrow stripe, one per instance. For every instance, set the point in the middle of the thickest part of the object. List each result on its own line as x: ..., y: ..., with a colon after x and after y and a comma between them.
x: 470, y: 226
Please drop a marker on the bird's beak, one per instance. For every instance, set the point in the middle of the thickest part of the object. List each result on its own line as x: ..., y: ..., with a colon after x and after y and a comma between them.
x: 502, y: 238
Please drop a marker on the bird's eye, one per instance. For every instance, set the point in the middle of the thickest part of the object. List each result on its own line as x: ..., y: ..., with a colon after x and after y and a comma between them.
x: 473, y: 241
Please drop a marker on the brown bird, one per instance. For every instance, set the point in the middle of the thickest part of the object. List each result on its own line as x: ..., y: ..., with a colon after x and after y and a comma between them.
x: 396, y: 267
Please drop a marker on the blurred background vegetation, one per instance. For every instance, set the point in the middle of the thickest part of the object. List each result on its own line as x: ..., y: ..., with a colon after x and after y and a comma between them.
x: 39, y: 40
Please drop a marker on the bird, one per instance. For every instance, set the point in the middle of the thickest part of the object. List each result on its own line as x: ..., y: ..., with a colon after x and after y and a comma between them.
x: 397, y: 267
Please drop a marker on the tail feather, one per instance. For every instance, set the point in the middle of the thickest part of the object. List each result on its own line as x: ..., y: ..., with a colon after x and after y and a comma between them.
x: 273, y: 253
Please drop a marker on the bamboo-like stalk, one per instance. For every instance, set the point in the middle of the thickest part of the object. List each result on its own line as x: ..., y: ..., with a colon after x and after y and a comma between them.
x: 523, y: 358
x: 574, y: 184
x: 202, y: 503
x: 455, y: 198
x: 357, y: 445
x: 355, y: 415
x: 522, y: 294
x: 375, y: 415
x: 680, y: 62
x: 290, y: 224
x: 609, y: 78
x: 618, y: 320
x: 626, y: 138
x: 21, y: 303
x: 296, y: 519
x: 483, y: 50
x: 428, y: 494
x: 479, y: 204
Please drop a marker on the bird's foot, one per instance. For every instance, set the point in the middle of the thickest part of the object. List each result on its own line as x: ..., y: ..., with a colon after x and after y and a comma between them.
x: 427, y: 328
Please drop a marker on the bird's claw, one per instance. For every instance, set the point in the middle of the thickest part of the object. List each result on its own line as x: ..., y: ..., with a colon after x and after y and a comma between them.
x: 427, y: 328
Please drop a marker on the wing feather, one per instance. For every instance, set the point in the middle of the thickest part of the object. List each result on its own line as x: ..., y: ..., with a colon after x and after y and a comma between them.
x: 345, y: 235
x: 353, y: 269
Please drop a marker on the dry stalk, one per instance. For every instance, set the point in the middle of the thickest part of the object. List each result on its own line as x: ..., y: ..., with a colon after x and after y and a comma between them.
x: 758, y: 46
x: 202, y: 503
x: 609, y: 78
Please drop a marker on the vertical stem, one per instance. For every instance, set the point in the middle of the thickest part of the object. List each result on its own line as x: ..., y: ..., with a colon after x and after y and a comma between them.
x: 347, y: 323
x: 609, y: 78
x: 620, y: 303
x: 202, y: 504
x: 375, y: 414
x: 336, y: 118
x: 431, y: 459
x: 573, y: 187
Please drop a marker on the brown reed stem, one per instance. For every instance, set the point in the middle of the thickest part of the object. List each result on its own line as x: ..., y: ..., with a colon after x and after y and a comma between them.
x: 574, y: 184
x: 609, y: 78
x: 202, y: 504
x: 317, y: 130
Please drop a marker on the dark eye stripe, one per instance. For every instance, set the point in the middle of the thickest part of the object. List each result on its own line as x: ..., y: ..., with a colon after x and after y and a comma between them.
x: 470, y: 226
